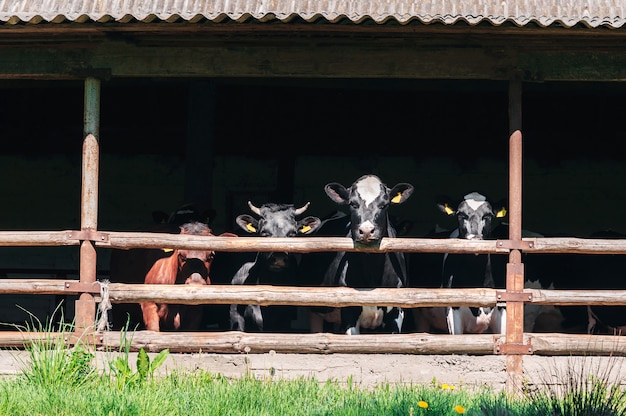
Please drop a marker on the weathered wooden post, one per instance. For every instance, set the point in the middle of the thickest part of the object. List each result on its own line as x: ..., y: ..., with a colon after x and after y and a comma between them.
x: 85, y: 305
x: 515, y: 348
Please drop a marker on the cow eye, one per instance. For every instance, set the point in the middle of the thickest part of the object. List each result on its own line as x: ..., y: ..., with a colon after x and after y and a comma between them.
x: 182, y: 257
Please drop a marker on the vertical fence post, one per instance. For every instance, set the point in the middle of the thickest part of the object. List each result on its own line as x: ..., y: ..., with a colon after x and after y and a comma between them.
x: 515, y: 268
x: 85, y: 305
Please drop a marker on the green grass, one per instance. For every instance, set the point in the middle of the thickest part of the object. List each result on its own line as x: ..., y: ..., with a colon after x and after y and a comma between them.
x: 203, y: 393
x: 61, y: 380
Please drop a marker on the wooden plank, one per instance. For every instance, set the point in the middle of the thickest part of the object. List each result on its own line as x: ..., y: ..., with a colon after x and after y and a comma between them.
x: 442, y: 58
x: 417, y: 343
x: 37, y: 238
x: 289, y: 295
x: 128, y: 240
x: 313, y: 296
x: 548, y: 344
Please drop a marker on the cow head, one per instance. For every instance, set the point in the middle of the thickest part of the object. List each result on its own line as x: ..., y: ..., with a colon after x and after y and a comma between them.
x: 194, y: 265
x: 475, y: 216
x: 277, y: 220
x: 368, y: 199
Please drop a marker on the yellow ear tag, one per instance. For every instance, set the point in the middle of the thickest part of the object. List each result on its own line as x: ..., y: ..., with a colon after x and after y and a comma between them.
x: 167, y: 250
x: 448, y: 210
x: 501, y: 213
x: 396, y: 199
x: 305, y: 229
x: 251, y: 228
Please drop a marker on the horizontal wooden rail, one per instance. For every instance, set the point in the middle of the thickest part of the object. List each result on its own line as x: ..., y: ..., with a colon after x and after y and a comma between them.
x: 324, y: 244
x: 325, y: 343
x: 37, y: 238
x: 128, y: 240
x: 308, y: 296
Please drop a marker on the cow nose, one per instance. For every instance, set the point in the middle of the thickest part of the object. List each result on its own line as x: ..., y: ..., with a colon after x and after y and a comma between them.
x: 277, y: 261
x: 366, y: 231
x: 196, y: 279
x: 194, y: 271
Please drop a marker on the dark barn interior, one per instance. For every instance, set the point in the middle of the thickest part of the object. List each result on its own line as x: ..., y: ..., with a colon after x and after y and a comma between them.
x: 572, y: 132
x: 216, y: 112
x: 444, y: 137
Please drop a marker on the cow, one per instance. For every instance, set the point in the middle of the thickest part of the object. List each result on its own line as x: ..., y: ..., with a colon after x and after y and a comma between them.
x: 475, y: 219
x: 270, y: 268
x: 183, y: 266
x: 131, y: 266
x: 368, y: 200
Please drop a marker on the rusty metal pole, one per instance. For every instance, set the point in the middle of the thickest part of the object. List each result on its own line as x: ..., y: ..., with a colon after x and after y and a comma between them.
x: 515, y: 268
x: 85, y: 305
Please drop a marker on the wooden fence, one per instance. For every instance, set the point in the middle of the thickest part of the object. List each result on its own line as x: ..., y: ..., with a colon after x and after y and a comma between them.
x: 515, y: 344
x: 413, y: 343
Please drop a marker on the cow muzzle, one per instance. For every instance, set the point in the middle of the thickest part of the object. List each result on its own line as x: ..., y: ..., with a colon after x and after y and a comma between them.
x: 277, y: 261
x: 194, y: 272
x: 367, y: 233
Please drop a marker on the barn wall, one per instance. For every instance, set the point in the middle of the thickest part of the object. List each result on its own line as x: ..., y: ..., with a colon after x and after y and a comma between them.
x: 577, y: 197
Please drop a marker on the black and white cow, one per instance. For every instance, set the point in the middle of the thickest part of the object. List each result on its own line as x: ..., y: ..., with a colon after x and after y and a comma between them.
x: 475, y: 219
x: 368, y: 200
x: 270, y: 268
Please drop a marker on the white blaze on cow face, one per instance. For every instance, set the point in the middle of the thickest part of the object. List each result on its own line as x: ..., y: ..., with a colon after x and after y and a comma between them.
x: 369, y: 189
x: 475, y: 215
x: 368, y: 198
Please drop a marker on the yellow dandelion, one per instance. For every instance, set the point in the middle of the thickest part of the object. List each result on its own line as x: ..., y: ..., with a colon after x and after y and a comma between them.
x: 445, y: 387
x: 422, y: 404
x: 452, y: 387
x: 459, y: 409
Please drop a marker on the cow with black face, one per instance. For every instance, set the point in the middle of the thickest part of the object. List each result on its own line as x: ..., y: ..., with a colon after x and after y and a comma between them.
x: 270, y: 268
x: 368, y: 199
x: 475, y: 216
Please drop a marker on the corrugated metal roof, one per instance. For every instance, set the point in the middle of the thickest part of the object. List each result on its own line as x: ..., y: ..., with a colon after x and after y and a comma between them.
x: 568, y: 13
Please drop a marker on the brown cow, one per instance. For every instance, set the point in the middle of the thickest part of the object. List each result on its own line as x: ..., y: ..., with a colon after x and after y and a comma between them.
x: 131, y: 266
x: 181, y: 267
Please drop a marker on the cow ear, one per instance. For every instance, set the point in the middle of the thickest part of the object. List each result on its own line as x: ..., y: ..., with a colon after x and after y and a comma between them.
x: 445, y: 208
x: 337, y: 192
x: 308, y: 225
x: 500, y: 207
x: 400, y: 193
x: 247, y: 223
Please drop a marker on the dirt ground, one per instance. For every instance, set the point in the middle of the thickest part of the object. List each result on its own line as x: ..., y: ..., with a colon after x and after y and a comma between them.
x: 369, y: 370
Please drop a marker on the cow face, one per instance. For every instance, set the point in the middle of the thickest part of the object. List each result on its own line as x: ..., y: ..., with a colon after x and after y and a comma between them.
x: 277, y: 220
x: 475, y: 216
x: 194, y: 265
x: 368, y: 199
